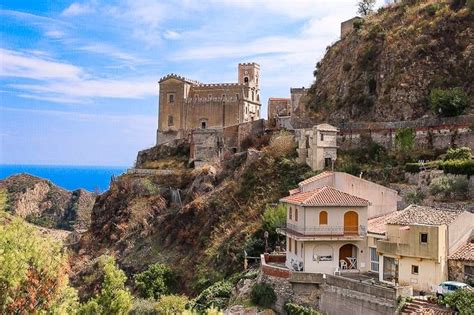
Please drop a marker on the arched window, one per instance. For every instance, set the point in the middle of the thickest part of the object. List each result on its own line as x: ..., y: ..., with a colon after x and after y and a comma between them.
x: 246, y: 80
x: 323, y: 218
x: 296, y: 214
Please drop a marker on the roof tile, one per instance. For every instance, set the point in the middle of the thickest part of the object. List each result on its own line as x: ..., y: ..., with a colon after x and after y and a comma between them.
x: 325, y: 196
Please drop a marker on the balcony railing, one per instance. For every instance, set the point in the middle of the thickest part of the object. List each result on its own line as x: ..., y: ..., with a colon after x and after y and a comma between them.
x: 328, y: 230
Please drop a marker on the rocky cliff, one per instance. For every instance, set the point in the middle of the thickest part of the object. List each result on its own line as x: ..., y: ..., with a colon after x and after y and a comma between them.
x: 386, y: 67
x: 42, y: 203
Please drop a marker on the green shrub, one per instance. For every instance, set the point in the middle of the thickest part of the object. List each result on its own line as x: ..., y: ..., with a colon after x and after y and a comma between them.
x: 465, y: 167
x: 295, y: 309
x: 432, y: 9
x: 447, y: 186
x: 462, y: 153
x: 143, y: 307
x: 274, y: 217
x: 357, y: 24
x: 217, y: 295
x: 263, y: 295
x: 414, y: 197
x: 413, y: 167
x: 172, y: 304
x: 404, y: 139
x: 462, y: 299
x: 351, y: 168
x: 158, y: 279
x: 449, y: 102
x: 113, y: 297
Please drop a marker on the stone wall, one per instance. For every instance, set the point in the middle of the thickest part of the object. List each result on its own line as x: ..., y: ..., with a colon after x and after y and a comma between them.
x: 456, y: 271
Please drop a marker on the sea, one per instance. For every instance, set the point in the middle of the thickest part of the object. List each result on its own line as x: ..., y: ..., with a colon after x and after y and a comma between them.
x: 91, y: 178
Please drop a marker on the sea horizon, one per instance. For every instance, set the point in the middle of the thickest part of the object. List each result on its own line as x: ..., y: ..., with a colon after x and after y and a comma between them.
x: 94, y: 178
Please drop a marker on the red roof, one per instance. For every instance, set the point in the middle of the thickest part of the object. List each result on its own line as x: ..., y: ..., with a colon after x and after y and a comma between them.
x: 465, y: 252
x: 326, y: 196
x: 377, y: 225
x: 315, y: 178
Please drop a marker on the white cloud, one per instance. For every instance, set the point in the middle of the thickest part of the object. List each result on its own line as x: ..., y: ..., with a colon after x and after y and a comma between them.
x: 111, y: 51
x: 65, y: 83
x: 171, y: 34
x: 76, y: 9
x: 16, y: 64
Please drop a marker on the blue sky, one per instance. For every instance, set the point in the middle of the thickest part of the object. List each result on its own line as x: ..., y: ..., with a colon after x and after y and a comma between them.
x: 79, y: 79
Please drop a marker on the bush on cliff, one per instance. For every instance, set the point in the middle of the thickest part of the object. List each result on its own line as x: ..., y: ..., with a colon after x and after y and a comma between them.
x: 449, y: 102
x: 296, y: 309
x: 263, y: 295
x: 462, y: 153
x: 158, y: 279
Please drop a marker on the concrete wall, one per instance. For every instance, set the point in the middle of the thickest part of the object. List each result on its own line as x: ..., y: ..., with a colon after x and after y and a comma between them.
x: 431, y: 273
x: 459, y: 231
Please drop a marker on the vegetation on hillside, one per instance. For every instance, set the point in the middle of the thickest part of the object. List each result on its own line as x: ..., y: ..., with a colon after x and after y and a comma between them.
x: 405, y: 61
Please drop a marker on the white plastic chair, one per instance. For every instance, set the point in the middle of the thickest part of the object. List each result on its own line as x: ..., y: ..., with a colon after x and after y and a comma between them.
x: 343, y: 264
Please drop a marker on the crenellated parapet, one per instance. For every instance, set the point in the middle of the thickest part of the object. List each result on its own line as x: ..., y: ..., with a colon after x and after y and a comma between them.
x: 178, y: 77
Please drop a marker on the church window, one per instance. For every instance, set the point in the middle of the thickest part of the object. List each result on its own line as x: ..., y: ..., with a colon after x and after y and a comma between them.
x: 170, y: 121
x: 223, y: 97
x: 170, y: 97
x: 203, y: 124
x: 237, y: 96
x: 196, y: 97
x: 322, y: 137
x: 210, y: 97
x: 253, y: 95
x: 246, y: 80
x: 246, y: 109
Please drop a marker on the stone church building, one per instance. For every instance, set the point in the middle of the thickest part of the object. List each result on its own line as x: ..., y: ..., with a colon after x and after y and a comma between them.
x: 186, y: 105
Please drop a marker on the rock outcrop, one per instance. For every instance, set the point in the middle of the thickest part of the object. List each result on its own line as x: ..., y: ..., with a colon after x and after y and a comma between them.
x: 42, y: 203
x: 386, y: 67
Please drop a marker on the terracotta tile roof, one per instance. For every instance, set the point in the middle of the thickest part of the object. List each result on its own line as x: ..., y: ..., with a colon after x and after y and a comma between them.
x: 415, y: 214
x: 377, y: 225
x: 294, y: 191
x: 315, y: 178
x: 326, y: 196
x: 465, y: 252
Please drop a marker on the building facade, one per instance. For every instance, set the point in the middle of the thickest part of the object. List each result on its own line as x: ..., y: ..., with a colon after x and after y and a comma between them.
x: 317, y: 146
x: 185, y: 104
x: 278, y: 107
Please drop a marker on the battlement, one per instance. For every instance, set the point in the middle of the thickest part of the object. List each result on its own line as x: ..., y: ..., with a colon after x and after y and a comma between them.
x: 250, y: 64
x: 178, y: 77
x: 192, y: 100
x: 218, y: 84
x: 298, y: 90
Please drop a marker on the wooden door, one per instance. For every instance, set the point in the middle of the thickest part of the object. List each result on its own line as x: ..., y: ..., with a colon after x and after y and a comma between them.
x: 344, y: 252
x: 351, y: 222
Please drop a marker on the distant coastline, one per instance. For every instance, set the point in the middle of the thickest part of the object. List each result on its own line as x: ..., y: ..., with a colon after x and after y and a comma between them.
x: 70, y: 177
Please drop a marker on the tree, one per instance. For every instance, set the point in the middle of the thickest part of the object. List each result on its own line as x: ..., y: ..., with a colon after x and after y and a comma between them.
x: 158, y: 279
x: 365, y: 7
x: 113, y: 298
x: 33, y: 272
x: 462, y: 299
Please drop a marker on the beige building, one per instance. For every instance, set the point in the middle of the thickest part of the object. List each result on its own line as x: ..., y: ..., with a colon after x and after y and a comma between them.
x: 382, y: 199
x: 413, y: 245
x: 317, y: 146
x: 325, y: 231
x: 186, y: 104
x: 348, y: 26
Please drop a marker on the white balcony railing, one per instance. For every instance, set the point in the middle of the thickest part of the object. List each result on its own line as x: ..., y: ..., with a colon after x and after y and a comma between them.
x: 328, y: 230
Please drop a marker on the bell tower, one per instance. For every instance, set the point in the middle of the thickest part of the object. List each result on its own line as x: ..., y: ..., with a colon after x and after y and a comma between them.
x: 249, y: 74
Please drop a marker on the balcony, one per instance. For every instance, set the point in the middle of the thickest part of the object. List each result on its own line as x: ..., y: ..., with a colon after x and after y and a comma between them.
x: 322, y: 232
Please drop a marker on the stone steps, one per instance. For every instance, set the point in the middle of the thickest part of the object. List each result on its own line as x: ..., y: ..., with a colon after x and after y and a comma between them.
x: 418, y: 306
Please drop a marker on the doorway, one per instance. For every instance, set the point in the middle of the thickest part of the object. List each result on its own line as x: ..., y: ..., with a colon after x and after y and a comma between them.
x: 348, y: 254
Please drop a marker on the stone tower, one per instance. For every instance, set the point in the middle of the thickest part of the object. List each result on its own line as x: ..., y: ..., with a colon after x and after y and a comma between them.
x: 249, y: 75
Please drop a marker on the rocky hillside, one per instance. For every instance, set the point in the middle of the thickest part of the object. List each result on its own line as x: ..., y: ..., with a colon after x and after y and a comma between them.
x: 42, y: 203
x: 386, y: 67
x: 197, y: 221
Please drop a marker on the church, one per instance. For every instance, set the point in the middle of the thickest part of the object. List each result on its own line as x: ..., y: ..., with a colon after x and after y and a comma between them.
x: 186, y: 105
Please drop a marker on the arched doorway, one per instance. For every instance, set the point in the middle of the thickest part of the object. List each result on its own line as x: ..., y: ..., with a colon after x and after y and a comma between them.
x: 348, y: 254
x: 351, y: 222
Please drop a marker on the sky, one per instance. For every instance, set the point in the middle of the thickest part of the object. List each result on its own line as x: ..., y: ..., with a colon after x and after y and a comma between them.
x: 78, y: 80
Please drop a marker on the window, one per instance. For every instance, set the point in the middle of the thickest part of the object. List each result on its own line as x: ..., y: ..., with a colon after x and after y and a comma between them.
x: 289, y: 244
x: 223, y: 97
x: 170, y: 121
x: 196, y: 97
x: 237, y: 96
x: 210, y: 97
x: 296, y: 247
x: 374, y: 260
x: 301, y: 251
x: 246, y: 110
x: 296, y: 214
x: 424, y: 238
x: 322, y: 136
x: 253, y: 95
x: 291, y: 213
x: 170, y: 97
x: 414, y: 269
x: 323, y: 218
x: 246, y: 80
x: 203, y: 125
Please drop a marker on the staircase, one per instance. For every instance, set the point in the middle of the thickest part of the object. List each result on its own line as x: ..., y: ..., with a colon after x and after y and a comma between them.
x: 419, y: 306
